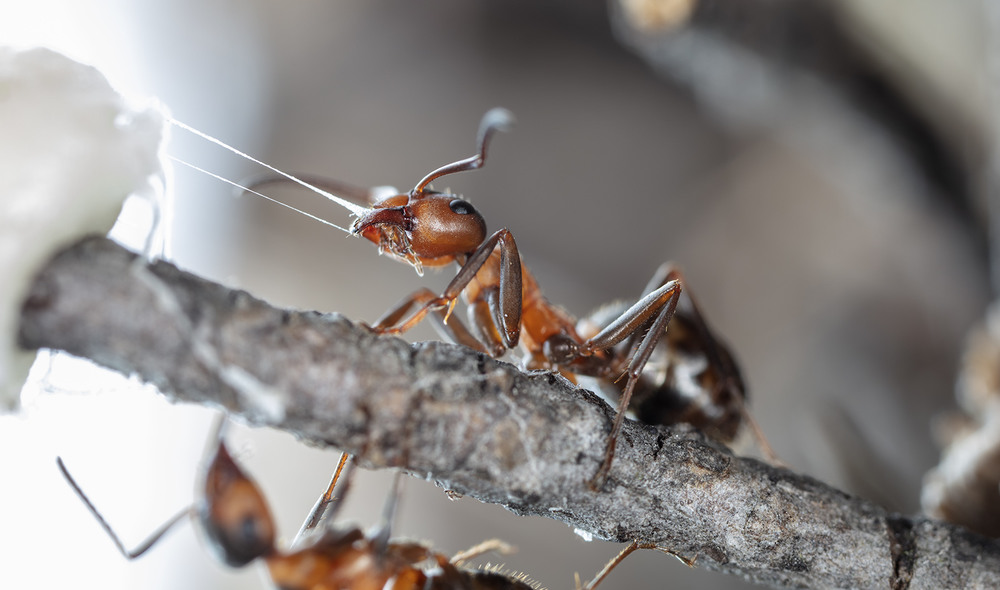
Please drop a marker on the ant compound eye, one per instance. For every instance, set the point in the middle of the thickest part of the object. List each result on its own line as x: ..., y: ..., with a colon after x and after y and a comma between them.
x: 462, y: 207
x: 444, y: 226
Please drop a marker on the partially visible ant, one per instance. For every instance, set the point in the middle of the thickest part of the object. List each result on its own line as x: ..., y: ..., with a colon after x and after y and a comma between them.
x: 239, y: 528
x: 682, y: 375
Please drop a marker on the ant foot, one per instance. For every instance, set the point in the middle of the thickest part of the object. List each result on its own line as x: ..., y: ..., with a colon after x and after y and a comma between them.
x: 596, y: 483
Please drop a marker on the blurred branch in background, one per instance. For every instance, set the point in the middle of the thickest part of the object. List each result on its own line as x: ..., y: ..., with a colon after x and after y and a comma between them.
x: 965, y: 487
x: 483, y: 428
x: 756, y: 63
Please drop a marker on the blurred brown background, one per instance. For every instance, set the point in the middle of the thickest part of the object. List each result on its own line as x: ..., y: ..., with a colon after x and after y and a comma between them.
x: 842, y: 258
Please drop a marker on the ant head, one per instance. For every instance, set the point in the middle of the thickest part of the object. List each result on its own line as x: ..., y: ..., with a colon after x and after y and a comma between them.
x: 428, y: 229
x: 425, y: 227
x: 235, y: 513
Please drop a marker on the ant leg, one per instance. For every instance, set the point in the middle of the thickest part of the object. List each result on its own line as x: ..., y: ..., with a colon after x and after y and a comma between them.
x: 496, y: 119
x: 634, y: 318
x: 659, y: 304
x: 616, y: 560
x: 455, y: 331
x: 668, y: 271
x: 327, y: 505
x: 508, y: 315
x: 482, y: 318
x: 485, y: 547
x: 758, y: 435
x: 380, y: 541
x: 142, y: 548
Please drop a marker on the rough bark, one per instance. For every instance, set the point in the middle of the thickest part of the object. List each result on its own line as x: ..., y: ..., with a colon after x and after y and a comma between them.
x: 483, y: 428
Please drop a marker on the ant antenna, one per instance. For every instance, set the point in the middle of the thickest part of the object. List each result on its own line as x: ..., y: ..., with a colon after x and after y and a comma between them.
x: 327, y: 505
x: 349, y: 191
x: 495, y: 119
x: 380, y: 541
x: 354, y: 208
x: 250, y: 189
x: 145, y: 546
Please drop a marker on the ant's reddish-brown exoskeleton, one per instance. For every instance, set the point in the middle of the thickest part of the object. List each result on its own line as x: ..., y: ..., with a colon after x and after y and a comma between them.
x: 239, y: 529
x: 684, y: 374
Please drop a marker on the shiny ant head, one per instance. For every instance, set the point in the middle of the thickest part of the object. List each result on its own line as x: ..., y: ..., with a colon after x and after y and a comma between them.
x: 235, y: 513
x: 431, y: 229
x: 425, y: 227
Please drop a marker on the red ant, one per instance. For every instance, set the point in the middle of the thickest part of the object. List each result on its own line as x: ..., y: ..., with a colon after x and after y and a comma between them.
x: 682, y: 375
x: 240, y: 530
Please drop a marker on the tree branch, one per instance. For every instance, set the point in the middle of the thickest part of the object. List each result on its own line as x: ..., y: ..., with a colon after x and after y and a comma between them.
x: 483, y: 428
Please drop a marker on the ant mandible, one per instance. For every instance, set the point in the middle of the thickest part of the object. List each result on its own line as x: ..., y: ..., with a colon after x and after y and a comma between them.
x: 696, y: 380
x: 240, y: 530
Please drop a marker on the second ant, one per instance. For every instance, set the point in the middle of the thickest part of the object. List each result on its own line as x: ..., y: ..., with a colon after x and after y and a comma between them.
x: 239, y: 529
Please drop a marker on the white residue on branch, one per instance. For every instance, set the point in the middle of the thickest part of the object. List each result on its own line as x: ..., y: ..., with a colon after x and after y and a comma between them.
x: 71, y: 151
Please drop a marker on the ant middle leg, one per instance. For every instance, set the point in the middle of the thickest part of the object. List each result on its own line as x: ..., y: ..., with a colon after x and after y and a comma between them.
x: 450, y: 328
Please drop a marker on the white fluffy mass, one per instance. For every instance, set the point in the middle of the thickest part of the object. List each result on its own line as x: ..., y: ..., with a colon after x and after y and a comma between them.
x: 71, y: 151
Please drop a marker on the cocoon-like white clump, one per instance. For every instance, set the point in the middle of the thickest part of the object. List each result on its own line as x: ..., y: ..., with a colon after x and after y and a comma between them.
x: 71, y: 151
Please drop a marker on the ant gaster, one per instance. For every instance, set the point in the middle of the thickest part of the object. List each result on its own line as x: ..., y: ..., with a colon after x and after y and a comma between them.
x: 240, y: 530
x: 688, y: 376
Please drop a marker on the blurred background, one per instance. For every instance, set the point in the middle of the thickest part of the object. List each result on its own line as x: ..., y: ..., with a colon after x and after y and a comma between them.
x: 817, y: 168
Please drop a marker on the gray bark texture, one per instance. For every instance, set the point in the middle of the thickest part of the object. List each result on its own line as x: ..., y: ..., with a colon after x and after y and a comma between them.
x: 483, y: 428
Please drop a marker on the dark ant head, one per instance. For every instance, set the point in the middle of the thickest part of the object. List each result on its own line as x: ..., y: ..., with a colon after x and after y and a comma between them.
x: 235, y: 513
x: 425, y: 227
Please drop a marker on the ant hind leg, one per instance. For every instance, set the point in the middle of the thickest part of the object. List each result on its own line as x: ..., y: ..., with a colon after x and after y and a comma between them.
x: 655, y: 310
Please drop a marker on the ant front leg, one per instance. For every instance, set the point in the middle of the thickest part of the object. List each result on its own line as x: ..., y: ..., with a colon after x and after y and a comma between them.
x: 456, y: 331
x: 657, y: 306
x: 502, y: 294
